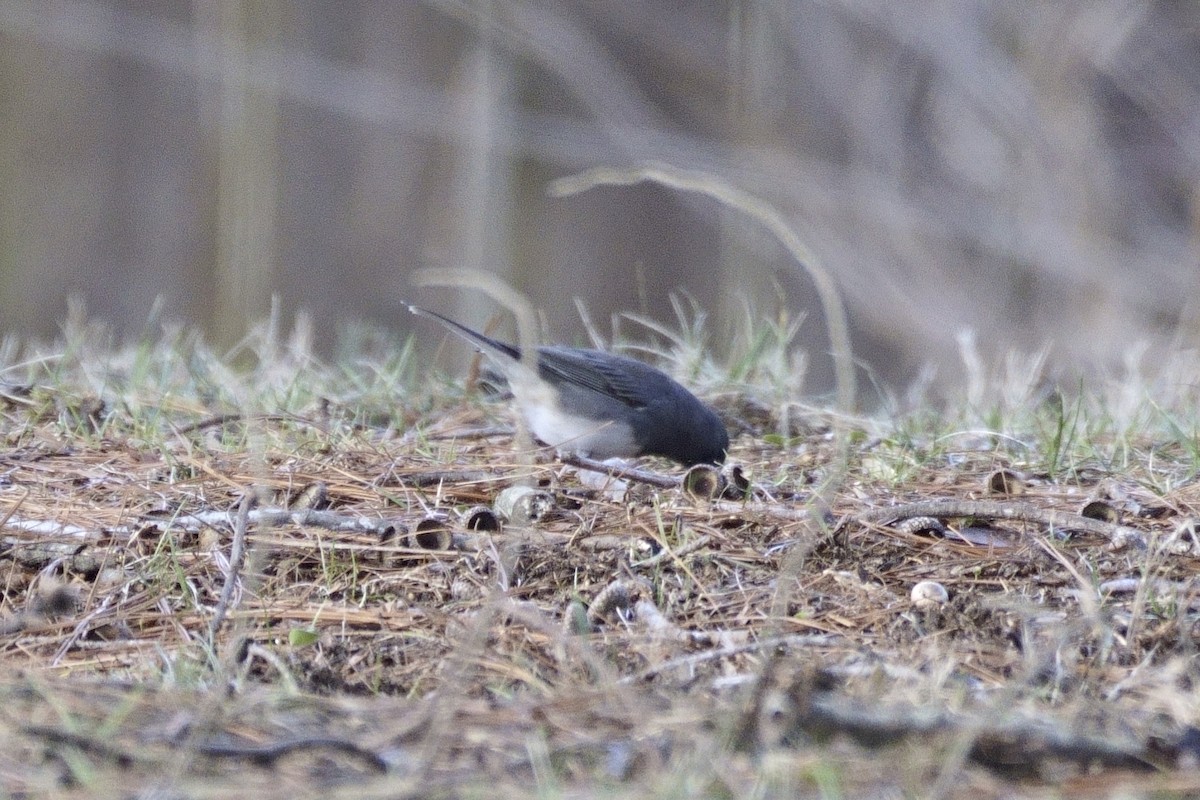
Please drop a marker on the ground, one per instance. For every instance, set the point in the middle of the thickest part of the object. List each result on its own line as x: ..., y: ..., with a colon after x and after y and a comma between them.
x: 284, y: 578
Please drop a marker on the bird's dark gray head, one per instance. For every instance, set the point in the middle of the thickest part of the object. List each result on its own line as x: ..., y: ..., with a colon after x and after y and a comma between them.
x: 678, y: 426
x: 709, y: 443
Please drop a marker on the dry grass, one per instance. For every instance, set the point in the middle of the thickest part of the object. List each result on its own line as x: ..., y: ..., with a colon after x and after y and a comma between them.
x: 656, y: 646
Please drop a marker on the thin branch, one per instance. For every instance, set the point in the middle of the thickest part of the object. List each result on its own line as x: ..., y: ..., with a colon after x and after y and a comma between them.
x: 625, y: 473
x: 726, y: 651
x: 1119, y: 536
x: 698, y: 543
x: 237, y: 552
x: 268, y: 754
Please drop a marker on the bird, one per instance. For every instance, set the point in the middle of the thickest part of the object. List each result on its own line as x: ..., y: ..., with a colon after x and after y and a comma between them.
x: 602, y: 406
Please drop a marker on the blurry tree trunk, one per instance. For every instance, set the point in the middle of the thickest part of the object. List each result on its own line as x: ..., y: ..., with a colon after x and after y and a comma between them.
x: 477, y: 225
x: 745, y: 276
x: 247, y: 173
x: 54, y: 216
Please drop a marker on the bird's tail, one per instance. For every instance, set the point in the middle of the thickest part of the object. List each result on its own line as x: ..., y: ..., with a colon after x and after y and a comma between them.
x: 485, y: 343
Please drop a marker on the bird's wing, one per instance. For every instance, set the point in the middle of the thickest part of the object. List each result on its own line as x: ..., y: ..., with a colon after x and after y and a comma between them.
x: 633, y: 383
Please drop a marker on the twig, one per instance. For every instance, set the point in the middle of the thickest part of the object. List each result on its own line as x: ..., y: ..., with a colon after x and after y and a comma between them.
x: 12, y: 510
x: 806, y: 639
x: 272, y: 517
x: 656, y: 623
x: 263, y: 755
x: 1119, y: 536
x: 236, y: 552
x: 87, y: 744
x: 422, y: 479
x: 678, y: 552
x: 221, y: 420
x: 625, y: 473
x: 81, y: 628
x: 267, y: 754
x: 766, y: 509
x: 49, y: 528
x: 263, y: 517
x: 1013, y: 748
x: 467, y: 434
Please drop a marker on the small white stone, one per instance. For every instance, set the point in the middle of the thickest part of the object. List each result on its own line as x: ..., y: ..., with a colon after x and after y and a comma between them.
x: 928, y: 595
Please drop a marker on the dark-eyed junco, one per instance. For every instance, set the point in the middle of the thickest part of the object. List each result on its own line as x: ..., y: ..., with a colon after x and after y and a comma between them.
x: 603, y: 406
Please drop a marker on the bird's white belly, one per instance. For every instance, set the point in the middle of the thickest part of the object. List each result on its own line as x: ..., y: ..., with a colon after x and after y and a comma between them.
x: 579, y: 434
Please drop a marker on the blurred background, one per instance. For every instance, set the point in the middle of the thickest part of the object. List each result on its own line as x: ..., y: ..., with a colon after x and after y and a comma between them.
x: 1023, y: 170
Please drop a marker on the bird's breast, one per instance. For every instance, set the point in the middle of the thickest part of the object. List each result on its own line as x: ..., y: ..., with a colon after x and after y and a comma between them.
x: 599, y: 431
x: 595, y: 438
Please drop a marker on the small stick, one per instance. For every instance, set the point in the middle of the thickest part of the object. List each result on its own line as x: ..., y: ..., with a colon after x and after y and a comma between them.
x: 625, y: 473
x: 679, y: 552
x: 1119, y: 536
x: 236, y: 553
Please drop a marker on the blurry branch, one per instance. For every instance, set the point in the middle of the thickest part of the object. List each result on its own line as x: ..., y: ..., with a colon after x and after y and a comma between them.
x: 768, y: 216
x: 248, y: 172
x: 366, y: 95
x: 559, y: 41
